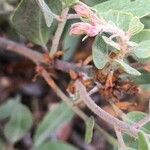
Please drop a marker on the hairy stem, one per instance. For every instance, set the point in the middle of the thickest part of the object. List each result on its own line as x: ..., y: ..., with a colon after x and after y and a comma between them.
x: 38, y: 58
x: 79, y: 112
x: 142, y: 122
x: 121, y: 144
x: 59, y: 31
x: 101, y: 113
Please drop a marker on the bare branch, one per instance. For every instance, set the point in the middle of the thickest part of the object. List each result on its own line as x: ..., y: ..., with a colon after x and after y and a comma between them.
x: 38, y: 58
x: 8, y: 45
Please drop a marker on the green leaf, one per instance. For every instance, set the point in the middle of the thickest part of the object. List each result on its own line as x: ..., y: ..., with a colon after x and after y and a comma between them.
x: 135, y: 26
x: 2, y: 145
x: 99, y: 52
x: 146, y: 22
x: 130, y: 142
x: 135, y: 116
x: 143, y: 141
x: 130, y: 148
x: 128, y: 68
x: 141, y: 36
x: 19, y: 124
x: 52, y: 121
x: 111, y: 43
x: 89, y: 129
x: 125, y: 21
x: 7, y: 108
x: 143, y: 79
x: 68, y: 3
x: 93, y: 2
x: 139, y: 8
x: 29, y: 21
x: 55, y: 146
x: 48, y: 14
x: 143, y: 50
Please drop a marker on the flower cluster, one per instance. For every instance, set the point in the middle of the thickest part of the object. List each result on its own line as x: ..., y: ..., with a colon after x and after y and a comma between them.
x: 91, y: 29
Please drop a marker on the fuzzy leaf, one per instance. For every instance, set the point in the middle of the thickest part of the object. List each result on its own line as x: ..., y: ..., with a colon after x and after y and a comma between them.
x: 89, y: 129
x: 141, y: 36
x: 143, y: 50
x: 125, y: 21
x: 2, y: 145
x: 68, y: 3
x: 93, y: 2
x: 139, y: 8
x: 48, y: 14
x: 143, y: 141
x: 29, y: 21
x: 111, y: 43
x: 143, y: 79
x: 128, y: 68
x: 146, y: 22
x: 99, y: 52
x: 135, y: 26
x: 51, y: 122
x: 7, y: 108
x: 19, y: 124
x: 130, y: 148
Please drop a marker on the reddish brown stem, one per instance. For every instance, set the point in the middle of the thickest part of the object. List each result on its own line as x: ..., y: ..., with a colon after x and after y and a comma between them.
x: 38, y: 58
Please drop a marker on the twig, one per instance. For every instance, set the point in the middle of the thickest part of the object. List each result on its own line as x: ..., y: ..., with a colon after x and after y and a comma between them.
x: 121, y: 144
x: 38, y: 58
x: 58, y: 32
x: 101, y: 113
x: 80, y: 113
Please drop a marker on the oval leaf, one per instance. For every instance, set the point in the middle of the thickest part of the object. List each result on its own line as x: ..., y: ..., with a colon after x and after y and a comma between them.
x: 141, y: 36
x: 111, y: 43
x: 99, y: 52
x: 48, y: 14
x: 19, y: 124
x: 139, y: 8
x: 143, y: 141
x: 52, y: 121
x: 29, y: 21
x: 7, y: 108
x: 143, y: 50
x: 89, y: 129
x: 128, y: 68
x: 125, y: 21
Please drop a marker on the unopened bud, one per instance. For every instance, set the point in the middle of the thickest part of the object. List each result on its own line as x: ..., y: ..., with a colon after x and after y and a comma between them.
x: 84, y: 11
x: 84, y: 28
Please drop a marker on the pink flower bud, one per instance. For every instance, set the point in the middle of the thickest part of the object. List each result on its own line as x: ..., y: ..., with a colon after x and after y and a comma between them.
x: 82, y: 10
x: 84, y: 28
